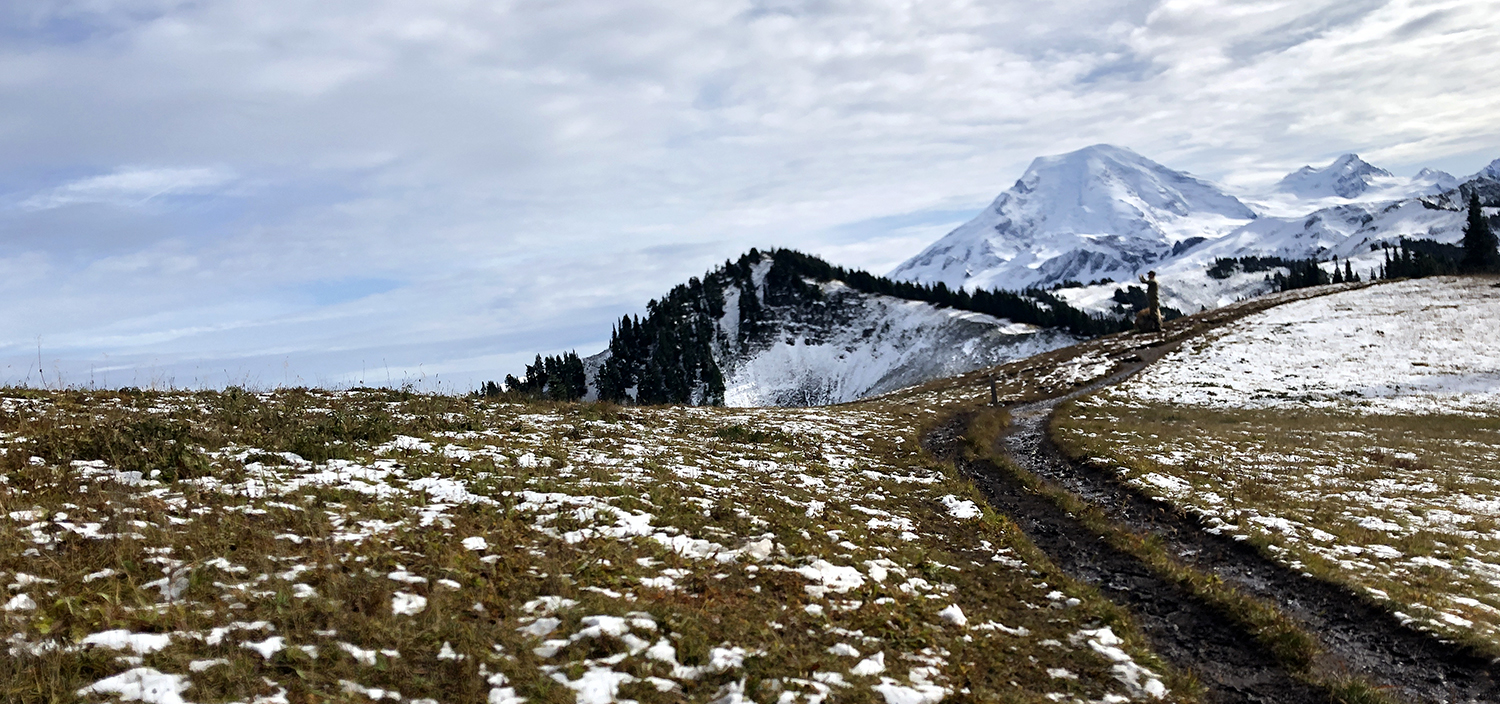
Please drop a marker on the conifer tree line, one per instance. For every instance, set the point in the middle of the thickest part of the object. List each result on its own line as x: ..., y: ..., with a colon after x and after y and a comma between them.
x: 1224, y: 267
x: 559, y: 378
x: 667, y: 357
x: 1347, y: 276
x: 1303, y: 273
x: 1414, y: 259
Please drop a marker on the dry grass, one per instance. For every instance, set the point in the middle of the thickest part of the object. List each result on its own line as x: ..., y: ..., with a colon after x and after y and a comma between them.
x: 305, y: 516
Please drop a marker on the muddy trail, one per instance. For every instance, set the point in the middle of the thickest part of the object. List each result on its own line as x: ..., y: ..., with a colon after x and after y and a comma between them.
x: 1357, y: 638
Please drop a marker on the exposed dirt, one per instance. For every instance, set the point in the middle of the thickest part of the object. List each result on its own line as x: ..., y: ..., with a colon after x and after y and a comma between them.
x: 1358, y: 638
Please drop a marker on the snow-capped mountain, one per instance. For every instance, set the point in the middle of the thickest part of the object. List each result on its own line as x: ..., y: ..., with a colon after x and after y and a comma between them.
x: 1099, y: 212
x: 1352, y: 178
x: 762, y: 332
x: 1486, y: 182
x: 1434, y: 181
x: 1347, y: 177
x: 1106, y: 212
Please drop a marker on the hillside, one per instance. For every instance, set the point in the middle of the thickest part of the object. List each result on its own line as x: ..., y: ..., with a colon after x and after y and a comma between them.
x: 781, y: 328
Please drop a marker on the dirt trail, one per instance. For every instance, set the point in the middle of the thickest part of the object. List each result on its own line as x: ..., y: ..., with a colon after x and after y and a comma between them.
x: 1358, y: 638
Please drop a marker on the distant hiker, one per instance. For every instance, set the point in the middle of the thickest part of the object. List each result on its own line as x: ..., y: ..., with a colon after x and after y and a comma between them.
x: 1149, y: 320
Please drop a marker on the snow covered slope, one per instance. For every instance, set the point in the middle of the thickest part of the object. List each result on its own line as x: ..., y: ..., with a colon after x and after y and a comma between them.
x: 859, y: 344
x: 1368, y: 350
x: 763, y: 332
x: 1108, y: 213
x: 1102, y: 211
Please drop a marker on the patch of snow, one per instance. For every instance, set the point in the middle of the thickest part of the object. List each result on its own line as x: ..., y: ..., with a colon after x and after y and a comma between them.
x: 1400, y: 348
x: 961, y: 509
x: 954, y: 615
x: 404, y: 604
x: 20, y: 602
x: 870, y: 666
x: 121, y: 639
x: 476, y: 543
x: 142, y: 684
x: 597, y: 685
x: 267, y: 648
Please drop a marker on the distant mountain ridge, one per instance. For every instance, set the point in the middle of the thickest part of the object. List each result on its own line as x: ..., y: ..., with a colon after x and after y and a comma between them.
x: 1106, y: 213
x: 1347, y: 177
x: 1102, y: 211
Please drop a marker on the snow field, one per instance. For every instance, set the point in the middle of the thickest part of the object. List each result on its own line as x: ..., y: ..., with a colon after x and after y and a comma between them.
x: 431, y: 549
x: 1418, y: 346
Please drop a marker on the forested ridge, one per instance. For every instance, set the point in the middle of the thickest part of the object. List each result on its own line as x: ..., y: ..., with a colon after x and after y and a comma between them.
x: 668, y: 355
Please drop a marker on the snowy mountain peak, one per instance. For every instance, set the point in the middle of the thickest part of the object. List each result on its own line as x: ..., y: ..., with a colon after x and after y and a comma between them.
x: 1347, y: 177
x: 1100, y: 178
x: 1101, y: 211
x: 1491, y: 172
x: 1439, y: 177
x: 1101, y: 215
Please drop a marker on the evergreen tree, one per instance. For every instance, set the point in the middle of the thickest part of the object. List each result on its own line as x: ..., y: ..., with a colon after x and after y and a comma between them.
x: 1480, y: 255
x: 1418, y: 258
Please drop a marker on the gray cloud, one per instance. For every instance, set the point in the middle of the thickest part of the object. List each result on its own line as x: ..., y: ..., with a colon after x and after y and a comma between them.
x: 297, y: 187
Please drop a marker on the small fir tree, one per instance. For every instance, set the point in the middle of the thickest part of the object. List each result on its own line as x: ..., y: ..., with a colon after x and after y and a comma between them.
x: 1480, y: 255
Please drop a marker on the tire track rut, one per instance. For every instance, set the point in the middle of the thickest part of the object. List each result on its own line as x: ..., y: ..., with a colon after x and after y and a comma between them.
x: 1358, y: 638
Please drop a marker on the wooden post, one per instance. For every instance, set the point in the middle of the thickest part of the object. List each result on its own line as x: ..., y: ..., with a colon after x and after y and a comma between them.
x: 994, y: 392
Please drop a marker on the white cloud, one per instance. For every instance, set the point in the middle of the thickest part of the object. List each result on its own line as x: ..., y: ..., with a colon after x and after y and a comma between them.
x: 132, y: 187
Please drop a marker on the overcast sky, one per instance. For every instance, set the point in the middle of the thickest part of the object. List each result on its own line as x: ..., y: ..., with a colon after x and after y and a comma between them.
x: 271, y: 192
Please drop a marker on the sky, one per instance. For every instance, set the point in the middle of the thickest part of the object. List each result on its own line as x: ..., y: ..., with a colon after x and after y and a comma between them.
x: 277, y: 192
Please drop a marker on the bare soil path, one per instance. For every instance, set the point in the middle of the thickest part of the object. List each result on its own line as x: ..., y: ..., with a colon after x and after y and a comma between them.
x: 1357, y: 638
